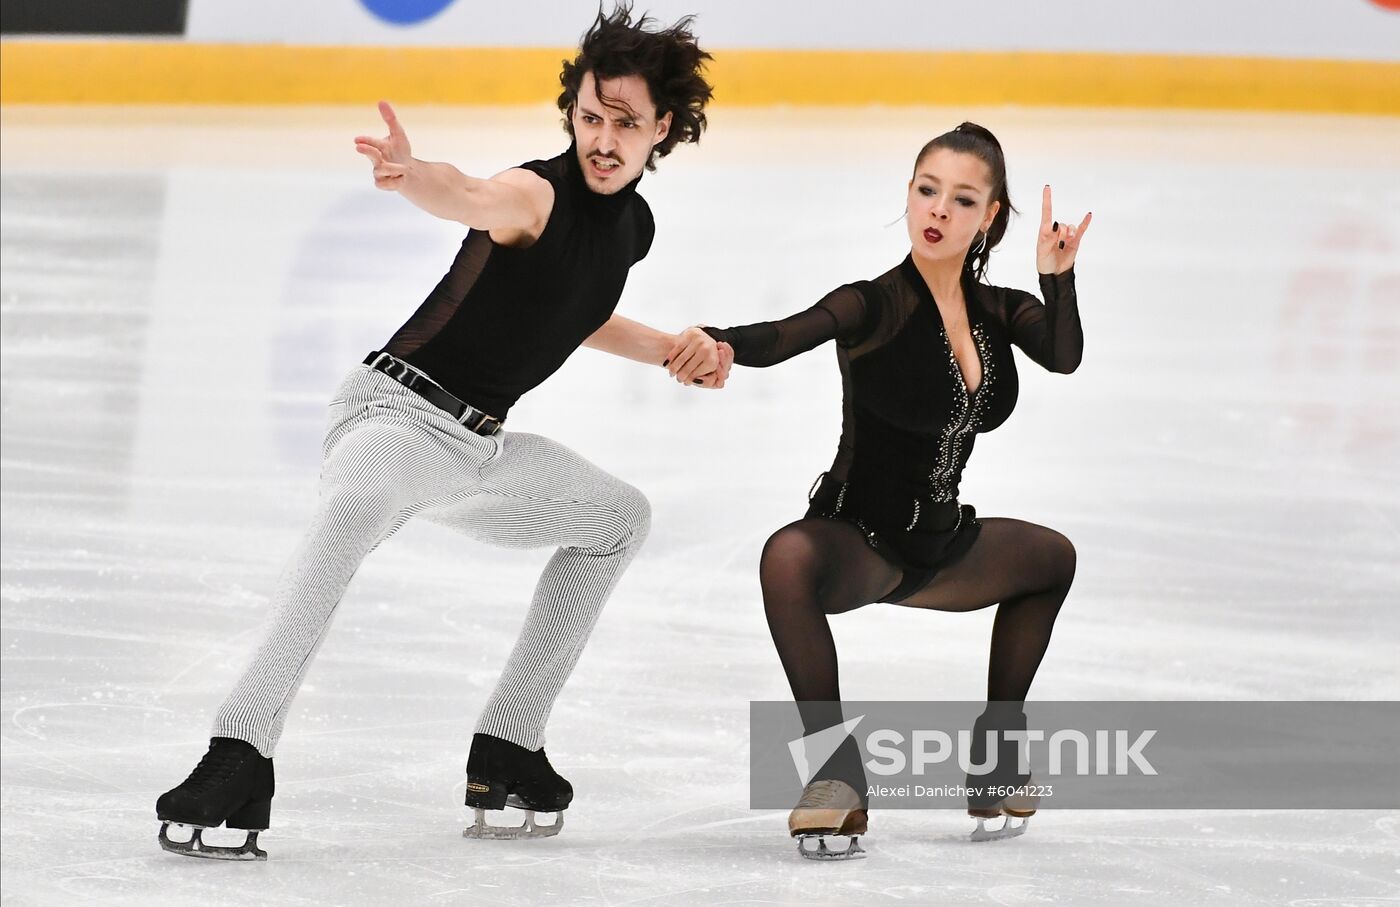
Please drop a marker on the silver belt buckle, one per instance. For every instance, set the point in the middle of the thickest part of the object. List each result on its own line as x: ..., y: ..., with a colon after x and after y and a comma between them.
x: 480, y: 419
x: 394, y: 368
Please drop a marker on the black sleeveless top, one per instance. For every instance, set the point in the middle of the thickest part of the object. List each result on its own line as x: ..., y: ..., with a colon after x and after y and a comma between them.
x: 909, y: 421
x: 502, y: 320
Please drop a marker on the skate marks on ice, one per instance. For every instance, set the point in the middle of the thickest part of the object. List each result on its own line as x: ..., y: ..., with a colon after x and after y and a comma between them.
x: 142, y: 532
x: 1298, y: 857
x: 1161, y: 858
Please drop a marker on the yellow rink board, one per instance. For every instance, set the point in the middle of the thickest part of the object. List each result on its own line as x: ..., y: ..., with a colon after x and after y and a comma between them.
x: 178, y: 72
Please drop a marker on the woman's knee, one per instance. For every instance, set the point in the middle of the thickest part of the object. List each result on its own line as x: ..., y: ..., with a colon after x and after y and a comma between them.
x: 790, y: 558
x: 1062, y: 558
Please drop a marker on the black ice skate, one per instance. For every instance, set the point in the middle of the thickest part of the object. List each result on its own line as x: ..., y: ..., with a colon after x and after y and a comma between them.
x: 233, y: 786
x: 1002, y: 792
x: 501, y: 774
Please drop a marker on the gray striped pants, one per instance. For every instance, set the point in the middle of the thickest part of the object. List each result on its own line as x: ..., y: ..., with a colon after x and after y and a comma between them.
x: 390, y: 455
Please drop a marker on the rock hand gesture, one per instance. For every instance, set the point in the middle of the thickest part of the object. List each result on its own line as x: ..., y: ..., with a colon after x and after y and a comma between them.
x: 1057, y: 243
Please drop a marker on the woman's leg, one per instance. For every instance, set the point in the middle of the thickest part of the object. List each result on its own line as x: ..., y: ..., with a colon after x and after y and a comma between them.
x: 1026, y: 570
x: 809, y: 569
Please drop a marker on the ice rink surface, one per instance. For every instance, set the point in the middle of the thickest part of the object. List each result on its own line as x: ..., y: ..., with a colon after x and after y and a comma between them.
x: 182, y: 289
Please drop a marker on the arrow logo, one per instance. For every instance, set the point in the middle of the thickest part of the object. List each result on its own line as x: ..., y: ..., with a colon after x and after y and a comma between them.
x: 811, y: 752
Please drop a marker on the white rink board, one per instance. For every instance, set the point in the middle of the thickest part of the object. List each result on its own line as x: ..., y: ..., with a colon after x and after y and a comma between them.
x: 1303, y: 29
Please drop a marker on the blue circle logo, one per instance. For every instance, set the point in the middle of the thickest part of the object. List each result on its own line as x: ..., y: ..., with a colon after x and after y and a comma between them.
x: 405, y: 12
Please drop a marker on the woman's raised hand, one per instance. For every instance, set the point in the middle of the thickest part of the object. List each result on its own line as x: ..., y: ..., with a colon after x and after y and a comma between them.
x: 1057, y: 243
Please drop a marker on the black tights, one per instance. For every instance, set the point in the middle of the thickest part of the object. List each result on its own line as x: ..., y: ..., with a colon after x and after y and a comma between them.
x: 815, y: 567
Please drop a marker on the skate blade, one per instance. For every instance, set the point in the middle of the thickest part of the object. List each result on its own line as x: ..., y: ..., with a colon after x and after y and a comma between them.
x: 851, y: 851
x: 196, y: 847
x: 529, y: 829
x: 1007, y: 829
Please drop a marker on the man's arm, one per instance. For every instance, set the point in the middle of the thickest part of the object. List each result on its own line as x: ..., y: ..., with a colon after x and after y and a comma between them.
x: 513, y: 205
x: 707, y: 365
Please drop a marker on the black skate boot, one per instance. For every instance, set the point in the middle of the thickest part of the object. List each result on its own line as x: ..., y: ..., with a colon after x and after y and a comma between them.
x: 501, y: 774
x: 232, y: 785
x: 1001, y: 792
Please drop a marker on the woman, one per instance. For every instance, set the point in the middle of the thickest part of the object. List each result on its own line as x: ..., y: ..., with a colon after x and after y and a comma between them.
x: 926, y: 365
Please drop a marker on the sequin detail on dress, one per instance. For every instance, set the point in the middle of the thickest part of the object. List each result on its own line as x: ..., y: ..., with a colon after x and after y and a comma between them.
x: 943, y: 481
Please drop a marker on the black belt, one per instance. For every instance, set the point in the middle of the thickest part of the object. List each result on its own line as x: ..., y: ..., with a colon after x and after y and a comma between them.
x: 405, y: 374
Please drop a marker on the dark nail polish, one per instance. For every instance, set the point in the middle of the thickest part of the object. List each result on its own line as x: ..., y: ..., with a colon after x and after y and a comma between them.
x: 698, y: 381
x: 1055, y: 227
x: 1062, y: 244
x: 666, y: 363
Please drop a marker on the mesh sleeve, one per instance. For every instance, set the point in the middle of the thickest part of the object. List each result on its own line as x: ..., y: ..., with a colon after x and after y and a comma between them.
x: 840, y: 315
x: 1048, y: 332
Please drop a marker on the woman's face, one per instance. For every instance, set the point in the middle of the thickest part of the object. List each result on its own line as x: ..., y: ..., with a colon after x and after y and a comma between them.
x: 949, y: 203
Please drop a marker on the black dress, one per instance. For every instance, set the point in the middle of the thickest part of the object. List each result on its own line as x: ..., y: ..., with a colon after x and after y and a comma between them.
x: 909, y: 421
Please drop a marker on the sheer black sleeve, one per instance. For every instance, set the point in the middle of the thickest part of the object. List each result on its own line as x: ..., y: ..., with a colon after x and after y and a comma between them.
x: 841, y: 315
x: 1048, y: 332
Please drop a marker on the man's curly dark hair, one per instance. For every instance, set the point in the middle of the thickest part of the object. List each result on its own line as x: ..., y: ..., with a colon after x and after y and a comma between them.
x: 668, y: 59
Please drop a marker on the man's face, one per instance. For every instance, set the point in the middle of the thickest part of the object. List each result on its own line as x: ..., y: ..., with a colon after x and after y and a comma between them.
x: 615, y: 133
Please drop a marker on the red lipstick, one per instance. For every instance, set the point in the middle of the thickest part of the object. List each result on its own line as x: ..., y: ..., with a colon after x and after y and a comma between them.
x: 933, y: 235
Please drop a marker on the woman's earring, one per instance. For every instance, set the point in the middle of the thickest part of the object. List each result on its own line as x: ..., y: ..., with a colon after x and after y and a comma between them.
x: 981, y: 245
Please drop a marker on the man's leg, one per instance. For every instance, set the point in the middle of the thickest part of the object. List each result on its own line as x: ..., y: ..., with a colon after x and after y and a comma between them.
x: 539, y: 493
x: 375, y: 477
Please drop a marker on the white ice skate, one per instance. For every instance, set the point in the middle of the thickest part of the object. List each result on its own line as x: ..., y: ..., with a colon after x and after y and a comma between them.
x: 1006, y: 830
x: 1016, y: 806
x: 828, y: 809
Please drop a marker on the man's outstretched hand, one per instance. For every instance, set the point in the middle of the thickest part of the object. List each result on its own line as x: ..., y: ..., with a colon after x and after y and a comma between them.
x: 390, y: 155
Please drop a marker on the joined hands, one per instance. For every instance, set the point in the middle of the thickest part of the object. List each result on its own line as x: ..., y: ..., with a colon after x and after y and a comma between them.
x: 698, y: 360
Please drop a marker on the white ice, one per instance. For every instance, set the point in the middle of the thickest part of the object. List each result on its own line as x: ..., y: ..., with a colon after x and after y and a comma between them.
x: 182, y: 289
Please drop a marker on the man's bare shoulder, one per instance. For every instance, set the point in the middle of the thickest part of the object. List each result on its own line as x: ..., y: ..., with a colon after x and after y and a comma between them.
x: 538, y: 200
x: 527, y: 180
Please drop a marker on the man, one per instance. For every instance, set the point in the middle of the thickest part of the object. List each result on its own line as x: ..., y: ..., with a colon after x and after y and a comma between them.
x: 417, y: 429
